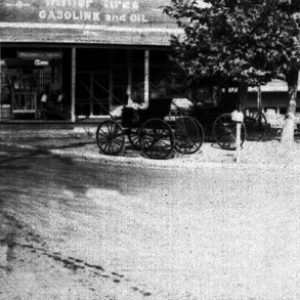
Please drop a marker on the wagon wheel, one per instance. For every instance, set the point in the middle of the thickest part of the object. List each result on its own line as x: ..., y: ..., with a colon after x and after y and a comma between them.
x: 110, y: 137
x: 156, y: 138
x: 256, y: 124
x: 188, y: 135
x: 201, y: 132
x: 133, y: 136
x: 224, y: 132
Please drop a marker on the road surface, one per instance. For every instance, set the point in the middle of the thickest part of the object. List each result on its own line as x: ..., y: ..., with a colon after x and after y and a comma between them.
x: 98, y: 230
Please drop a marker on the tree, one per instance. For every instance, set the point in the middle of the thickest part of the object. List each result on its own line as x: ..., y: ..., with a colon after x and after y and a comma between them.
x: 290, y: 65
x: 237, y: 42
x: 3, y: 10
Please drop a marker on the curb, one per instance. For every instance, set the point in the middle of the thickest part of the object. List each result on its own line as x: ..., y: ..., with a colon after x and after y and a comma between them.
x: 176, y: 163
x: 179, y: 162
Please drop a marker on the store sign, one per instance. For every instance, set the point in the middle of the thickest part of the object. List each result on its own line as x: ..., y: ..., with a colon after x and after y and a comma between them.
x: 86, y: 21
x: 41, y: 63
x: 110, y: 12
x: 40, y: 55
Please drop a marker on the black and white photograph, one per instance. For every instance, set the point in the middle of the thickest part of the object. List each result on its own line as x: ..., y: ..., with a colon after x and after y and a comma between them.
x: 149, y: 149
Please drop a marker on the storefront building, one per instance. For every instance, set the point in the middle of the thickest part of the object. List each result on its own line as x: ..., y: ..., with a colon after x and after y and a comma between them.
x: 75, y: 59
x: 69, y: 60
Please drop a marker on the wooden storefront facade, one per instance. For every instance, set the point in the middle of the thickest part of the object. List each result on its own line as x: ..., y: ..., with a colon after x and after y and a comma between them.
x: 73, y: 59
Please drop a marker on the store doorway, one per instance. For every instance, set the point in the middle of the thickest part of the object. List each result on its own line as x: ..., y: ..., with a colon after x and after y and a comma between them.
x: 92, y: 94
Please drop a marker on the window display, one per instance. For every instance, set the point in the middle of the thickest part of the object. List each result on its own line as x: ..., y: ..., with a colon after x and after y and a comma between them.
x: 32, y: 86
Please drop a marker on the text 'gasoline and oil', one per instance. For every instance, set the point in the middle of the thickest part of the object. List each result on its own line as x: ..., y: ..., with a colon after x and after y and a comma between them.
x: 116, y: 11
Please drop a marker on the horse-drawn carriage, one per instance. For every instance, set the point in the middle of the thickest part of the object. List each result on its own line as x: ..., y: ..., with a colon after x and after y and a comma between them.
x: 150, y: 131
x: 156, y: 134
x: 216, y: 118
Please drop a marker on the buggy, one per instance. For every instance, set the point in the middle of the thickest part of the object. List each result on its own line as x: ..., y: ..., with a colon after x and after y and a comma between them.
x: 216, y: 119
x: 156, y: 135
x: 150, y: 131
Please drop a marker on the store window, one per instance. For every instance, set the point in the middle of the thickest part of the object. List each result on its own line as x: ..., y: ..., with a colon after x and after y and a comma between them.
x: 102, y: 80
x: 32, y: 86
x: 93, y: 86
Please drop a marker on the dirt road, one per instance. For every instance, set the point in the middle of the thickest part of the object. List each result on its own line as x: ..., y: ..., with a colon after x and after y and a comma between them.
x: 95, y: 230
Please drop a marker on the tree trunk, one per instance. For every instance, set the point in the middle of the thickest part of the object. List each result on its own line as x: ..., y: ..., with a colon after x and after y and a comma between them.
x: 287, y: 137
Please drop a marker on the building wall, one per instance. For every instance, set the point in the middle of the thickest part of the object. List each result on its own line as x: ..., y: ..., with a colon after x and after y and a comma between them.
x: 131, y: 22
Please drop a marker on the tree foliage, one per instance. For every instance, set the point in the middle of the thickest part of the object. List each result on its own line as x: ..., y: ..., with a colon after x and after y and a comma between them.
x: 236, y: 41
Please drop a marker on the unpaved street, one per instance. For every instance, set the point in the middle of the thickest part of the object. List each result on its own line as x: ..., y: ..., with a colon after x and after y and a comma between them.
x: 96, y: 230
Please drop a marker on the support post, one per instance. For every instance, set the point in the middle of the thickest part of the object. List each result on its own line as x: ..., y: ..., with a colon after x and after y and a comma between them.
x: 129, y: 77
x: 73, y: 84
x: 238, y: 142
x: 111, y: 79
x: 238, y: 118
x: 147, y: 79
x: 278, y: 111
x: 0, y: 83
x: 259, y: 102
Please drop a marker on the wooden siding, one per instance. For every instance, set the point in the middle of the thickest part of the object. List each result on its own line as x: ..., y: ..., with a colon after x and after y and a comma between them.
x: 130, y: 22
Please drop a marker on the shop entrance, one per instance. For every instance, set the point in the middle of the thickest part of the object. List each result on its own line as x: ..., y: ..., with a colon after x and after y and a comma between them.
x: 92, y: 94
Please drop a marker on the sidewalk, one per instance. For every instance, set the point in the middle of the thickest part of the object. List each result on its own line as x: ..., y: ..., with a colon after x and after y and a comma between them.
x: 80, y: 143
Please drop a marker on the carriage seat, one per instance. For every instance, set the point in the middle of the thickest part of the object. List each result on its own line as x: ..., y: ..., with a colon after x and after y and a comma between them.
x: 158, y: 108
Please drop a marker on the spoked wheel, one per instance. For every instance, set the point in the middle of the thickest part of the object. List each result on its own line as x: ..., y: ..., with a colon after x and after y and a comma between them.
x: 188, y: 135
x: 133, y: 136
x: 110, y: 137
x: 224, y: 132
x: 156, y: 138
x: 256, y: 124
